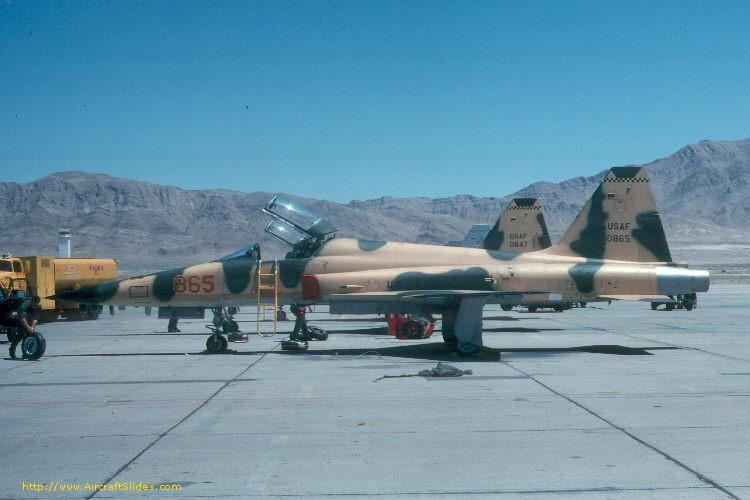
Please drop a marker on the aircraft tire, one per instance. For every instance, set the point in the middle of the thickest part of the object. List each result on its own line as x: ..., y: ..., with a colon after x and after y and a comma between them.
x: 317, y: 333
x: 216, y: 343
x: 33, y: 346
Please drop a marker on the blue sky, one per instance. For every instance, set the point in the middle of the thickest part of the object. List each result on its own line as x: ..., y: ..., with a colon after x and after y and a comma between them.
x: 353, y: 100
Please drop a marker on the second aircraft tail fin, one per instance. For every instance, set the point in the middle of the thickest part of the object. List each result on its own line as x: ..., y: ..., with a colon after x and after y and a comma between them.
x: 521, y: 228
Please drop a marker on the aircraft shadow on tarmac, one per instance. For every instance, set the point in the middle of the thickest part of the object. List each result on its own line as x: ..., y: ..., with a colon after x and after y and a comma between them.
x: 502, y: 318
x: 434, y: 351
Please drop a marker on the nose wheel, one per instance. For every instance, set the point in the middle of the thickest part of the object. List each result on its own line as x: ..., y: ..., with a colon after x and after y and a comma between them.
x: 224, y: 329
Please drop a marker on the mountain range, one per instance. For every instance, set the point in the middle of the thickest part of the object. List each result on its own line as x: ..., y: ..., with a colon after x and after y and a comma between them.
x: 701, y: 190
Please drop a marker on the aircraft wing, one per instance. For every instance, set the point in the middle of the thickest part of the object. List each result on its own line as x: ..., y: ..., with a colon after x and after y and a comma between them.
x: 422, y: 296
x: 640, y: 298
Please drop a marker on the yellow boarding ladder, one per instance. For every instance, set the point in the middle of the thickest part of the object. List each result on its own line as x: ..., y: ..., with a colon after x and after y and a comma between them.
x: 268, y: 284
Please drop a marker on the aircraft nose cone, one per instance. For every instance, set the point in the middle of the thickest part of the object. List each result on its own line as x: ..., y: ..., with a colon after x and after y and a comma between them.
x: 98, y: 294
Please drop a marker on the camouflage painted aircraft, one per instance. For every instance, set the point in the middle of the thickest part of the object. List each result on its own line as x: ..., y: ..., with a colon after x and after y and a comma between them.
x: 616, y: 247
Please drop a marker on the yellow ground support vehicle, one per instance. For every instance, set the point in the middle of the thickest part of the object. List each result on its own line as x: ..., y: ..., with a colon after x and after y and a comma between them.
x: 44, y: 276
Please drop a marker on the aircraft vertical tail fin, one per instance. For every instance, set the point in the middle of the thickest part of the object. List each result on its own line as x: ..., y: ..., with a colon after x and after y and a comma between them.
x: 619, y: 222
x: 521, y: 228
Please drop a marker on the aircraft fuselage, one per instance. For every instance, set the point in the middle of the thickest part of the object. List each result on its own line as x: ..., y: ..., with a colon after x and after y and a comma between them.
x: 348, y: 266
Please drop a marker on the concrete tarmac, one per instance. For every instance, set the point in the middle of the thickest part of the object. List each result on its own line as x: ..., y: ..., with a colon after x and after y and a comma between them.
x: 611, y: 401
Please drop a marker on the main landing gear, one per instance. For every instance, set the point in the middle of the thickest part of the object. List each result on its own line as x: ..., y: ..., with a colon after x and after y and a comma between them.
x: 462, y: 326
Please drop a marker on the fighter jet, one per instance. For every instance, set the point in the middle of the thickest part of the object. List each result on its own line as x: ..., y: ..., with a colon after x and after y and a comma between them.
x: 615, y: 247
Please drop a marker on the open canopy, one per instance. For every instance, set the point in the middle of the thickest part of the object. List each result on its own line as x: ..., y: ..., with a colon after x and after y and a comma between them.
x: 286, y: 232
x: 294, y: 214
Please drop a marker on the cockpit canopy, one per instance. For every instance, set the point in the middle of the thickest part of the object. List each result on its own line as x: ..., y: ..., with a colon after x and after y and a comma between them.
x: 297, y: 226
x: 298, y: 216
x: 285, y: 232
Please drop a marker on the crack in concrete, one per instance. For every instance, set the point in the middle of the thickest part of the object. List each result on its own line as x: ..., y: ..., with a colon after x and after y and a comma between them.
x: 179, y: 422
x: 701, y: 477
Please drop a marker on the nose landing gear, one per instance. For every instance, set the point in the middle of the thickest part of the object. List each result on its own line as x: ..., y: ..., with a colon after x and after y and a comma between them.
x: 224, y: 329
